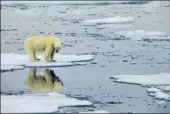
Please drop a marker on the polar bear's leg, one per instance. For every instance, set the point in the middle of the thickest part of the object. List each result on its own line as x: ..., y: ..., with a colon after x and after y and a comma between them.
x: 33, y: 57
x: 52, y: 56
x: 30, y: 52
x: 48, y: 53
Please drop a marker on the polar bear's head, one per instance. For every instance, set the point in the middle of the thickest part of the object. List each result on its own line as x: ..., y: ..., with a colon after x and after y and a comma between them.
x: 57, y: 44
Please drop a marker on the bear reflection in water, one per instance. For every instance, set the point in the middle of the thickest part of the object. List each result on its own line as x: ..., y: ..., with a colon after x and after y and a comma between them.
x: 43, y: 83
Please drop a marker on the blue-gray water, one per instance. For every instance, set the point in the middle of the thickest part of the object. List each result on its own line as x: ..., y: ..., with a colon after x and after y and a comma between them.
x: 113, y: 56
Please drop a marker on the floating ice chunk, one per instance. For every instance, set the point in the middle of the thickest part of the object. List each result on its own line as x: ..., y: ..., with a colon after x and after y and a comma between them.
x: 38, y: 104
x: 153, y: 90
x: 54, y: 64
x: 11, y: 59
x: 142, y: 34
x: 151, y: 94
x: 161, y: 80
x: 155, y: 79
x: 11, y: 67
x: 115, y: 26
x: 60, y: 2
x: 58, y: 57
x: 96, y: 111
x: 113, y: 20
x: 165, y: 88
x: 162, y: 96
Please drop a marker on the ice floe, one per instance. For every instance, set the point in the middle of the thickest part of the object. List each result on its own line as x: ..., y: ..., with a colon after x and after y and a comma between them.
x: 115, y: 26
x: 165, y: 88
x: 11, y: 67
x: 157, y: 84
x: 158, y: 94
x: 96, y: 111
x: 18, y: 61
x: 60, y: 2
x: 38, y: 103
x: 113, y: 20
x: 143, y: 34
x: 153, y: 90
x: 155, y: 79
x: 162, y: 96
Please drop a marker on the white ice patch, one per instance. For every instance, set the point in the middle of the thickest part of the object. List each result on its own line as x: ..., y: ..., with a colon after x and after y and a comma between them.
x: 155, y: 79
x: 158, y: 93
x: 159, y: 83
x: 18, y: 60
x: 162, y: 96
x: 115, y: 26
x: 165, y: 88
x: 153, y: 90
x: 96, y: 111
x: 10, y: 67
x: 113, y: 20
x: 142, y: 34
x: 38, y: 103
x: 60, y: 2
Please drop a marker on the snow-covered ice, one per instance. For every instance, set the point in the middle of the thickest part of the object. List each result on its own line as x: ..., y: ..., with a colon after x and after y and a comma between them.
x: 158, y: 93
x: 96, y: 111
x: 162, y: 96
x: 18, y: 61
x: 143, y: 34
x: 11, y: 67
x: 115, y: 26
x: 38, y: 103
x: 158, y: 83
x: 60, y: 2
x: 154, y: 79
x: 113, y: 20
x: 165, y: 88
x: 153, y: 90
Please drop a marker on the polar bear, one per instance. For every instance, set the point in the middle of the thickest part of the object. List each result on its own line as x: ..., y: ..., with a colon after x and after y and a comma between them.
x: 49, y: 45
x: 43, y: 82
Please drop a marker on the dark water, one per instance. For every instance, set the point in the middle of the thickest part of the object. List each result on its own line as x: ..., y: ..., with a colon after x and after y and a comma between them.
x: 113, y: 55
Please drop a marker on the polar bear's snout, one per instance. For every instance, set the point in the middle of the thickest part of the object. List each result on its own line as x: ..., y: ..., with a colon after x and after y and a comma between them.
x: 58, y: 49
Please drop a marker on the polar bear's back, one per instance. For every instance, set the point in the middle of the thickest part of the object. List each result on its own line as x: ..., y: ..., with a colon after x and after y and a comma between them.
x: 35, y: 43
x: 39, y: 43
x: 37, y: 39
x: 42, y: 39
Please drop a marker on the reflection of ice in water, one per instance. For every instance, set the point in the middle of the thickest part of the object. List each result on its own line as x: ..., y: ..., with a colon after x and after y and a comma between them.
x: 158, y: 80
x: 48, y: 81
